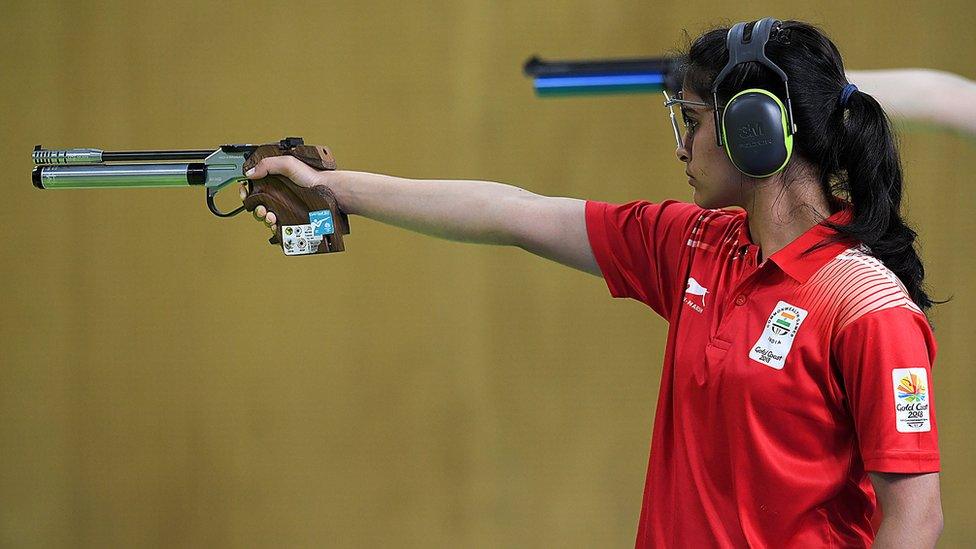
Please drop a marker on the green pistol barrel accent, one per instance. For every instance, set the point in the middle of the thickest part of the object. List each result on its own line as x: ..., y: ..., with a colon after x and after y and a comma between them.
x: 114, y: 176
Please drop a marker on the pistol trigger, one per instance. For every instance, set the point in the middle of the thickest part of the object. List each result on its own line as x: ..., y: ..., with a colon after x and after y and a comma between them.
x: 213, y: 207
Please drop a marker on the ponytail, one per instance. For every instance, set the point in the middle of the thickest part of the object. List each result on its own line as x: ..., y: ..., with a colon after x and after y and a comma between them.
x: 871, y: 176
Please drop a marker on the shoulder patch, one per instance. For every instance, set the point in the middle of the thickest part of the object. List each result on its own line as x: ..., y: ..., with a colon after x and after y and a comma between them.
x: 911, y: 386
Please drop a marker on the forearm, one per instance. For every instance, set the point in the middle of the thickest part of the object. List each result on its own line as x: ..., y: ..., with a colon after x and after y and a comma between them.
x: 461, y: 210
x: 894, y: 531
x: 467, y: 211
x: 922, y: 96
x: 911, y: 509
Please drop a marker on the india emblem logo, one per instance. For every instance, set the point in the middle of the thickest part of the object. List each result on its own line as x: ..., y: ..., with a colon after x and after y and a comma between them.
x: 782, y: 322
x: 775, y: 343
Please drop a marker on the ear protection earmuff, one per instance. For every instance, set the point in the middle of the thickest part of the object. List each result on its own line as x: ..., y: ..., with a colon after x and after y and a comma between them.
x: 754, y: 127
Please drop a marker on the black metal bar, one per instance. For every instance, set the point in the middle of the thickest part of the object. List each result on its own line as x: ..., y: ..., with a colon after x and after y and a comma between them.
x: 152, y: 156
x: 536, y: 67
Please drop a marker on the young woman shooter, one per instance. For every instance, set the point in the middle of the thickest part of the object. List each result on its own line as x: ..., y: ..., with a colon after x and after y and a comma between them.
x: 796, y: 397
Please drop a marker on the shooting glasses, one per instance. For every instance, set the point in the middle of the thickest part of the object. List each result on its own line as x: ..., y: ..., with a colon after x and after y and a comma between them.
x: 680, y: 124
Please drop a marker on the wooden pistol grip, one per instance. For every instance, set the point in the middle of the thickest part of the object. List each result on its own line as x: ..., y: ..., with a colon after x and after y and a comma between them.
x: 292, y: 203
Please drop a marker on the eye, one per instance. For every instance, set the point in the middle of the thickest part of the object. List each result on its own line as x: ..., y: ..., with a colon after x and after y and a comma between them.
x: 690, y: 123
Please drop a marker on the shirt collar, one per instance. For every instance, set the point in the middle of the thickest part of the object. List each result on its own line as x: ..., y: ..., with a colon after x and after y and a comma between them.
x: 801, y: 267
x: 791, y: 259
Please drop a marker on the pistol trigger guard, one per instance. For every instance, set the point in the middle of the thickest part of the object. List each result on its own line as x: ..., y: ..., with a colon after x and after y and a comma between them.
x: 211, y: 192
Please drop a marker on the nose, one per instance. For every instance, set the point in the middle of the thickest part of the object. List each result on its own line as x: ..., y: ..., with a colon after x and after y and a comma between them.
x: 682, y: 153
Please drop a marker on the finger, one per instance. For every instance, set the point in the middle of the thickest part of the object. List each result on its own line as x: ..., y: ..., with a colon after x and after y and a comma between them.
x: 260, y: 211
x: 243, y: 190
x: 274, y: 228
x: 288, y: 166
x: 270, y: 218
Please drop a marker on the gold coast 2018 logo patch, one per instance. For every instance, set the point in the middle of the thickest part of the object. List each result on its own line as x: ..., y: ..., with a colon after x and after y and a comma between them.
x: 777, y: 338
x: 911, y: 399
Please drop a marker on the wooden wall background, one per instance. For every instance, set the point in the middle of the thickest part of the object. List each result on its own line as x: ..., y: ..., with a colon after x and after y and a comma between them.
x: 168, y: 379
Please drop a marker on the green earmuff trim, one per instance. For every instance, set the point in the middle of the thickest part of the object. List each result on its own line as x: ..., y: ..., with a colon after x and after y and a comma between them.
x: 782, y: 115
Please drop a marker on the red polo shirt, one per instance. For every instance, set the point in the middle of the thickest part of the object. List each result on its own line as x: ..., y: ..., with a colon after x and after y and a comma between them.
x: 784, y: 382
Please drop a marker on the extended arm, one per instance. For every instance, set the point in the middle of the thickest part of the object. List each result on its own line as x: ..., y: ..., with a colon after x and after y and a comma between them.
x: 923, y: 96
x: 911, y: 507
x: 466, y: 211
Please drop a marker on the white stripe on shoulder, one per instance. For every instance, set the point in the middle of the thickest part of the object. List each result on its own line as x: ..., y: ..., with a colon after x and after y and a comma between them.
x: 863, y: 285
x: 698, y: 238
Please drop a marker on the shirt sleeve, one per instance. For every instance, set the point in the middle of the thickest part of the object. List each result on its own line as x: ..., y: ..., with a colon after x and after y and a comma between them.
x: 638, y: 247
x: 885, y: 359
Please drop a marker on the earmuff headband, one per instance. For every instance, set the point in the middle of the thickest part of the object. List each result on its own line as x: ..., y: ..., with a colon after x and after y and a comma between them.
x: 742, y: 51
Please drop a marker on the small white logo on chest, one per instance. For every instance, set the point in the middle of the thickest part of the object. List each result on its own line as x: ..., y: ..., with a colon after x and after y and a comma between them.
x: 694, y: 288
x: 777, y: 338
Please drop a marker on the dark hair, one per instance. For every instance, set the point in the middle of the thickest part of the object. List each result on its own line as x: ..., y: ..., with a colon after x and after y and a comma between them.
x: 853, y: 149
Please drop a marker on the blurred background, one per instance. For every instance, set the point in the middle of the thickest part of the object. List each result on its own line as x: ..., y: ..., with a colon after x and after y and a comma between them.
x: 167, y: 378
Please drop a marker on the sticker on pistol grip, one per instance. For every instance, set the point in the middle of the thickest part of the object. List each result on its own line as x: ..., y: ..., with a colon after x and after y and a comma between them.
x: 299, y: 239
x: 321, y: 221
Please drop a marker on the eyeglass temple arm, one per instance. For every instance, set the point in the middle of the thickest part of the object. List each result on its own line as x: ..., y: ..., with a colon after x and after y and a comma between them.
x: 674, y: 123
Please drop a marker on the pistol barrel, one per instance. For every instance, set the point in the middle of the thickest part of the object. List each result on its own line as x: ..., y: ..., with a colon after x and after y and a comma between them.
x: 118, y: 175
x: 61, y: 157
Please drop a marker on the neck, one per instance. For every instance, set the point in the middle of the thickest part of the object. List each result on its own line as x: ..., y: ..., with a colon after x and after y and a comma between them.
x: 781, y: 208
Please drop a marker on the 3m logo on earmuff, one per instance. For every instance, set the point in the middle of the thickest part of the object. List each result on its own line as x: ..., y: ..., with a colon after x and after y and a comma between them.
x: 751, y: 130
x: 751, y: 135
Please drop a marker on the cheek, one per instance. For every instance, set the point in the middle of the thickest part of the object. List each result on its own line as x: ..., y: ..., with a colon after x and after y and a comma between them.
x: 714, y: 159
x: 708, y: 156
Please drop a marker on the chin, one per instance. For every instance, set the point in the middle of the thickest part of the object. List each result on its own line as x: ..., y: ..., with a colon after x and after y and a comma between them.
x: 704, y: 201
x: 710, y: 202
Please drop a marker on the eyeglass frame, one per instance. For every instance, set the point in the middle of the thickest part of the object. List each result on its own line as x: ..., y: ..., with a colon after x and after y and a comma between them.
x: 676, y: 100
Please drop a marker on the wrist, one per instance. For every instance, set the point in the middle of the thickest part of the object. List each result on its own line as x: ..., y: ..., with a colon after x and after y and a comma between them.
x: 337, y: 181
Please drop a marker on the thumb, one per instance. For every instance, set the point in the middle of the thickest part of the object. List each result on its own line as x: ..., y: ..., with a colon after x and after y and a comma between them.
x: 288, y: 166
